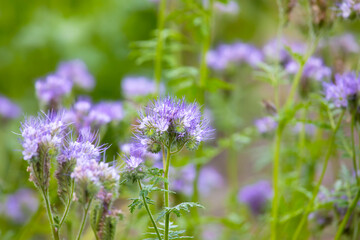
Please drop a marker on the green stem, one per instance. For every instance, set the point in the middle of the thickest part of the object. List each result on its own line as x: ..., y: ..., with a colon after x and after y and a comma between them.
x: 159, y: 44
x: 353, y: 148
x: 54, y: 230
x: 276, y: 167
x: 67, y: 208
x: 317, y: 187
x: 149, y: 213
x: 347, y: 215
x: 166, y: 193
x: 86, y: 211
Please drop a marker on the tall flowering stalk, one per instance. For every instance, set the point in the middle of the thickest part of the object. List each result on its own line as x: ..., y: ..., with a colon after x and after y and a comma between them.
x: 168, y: 125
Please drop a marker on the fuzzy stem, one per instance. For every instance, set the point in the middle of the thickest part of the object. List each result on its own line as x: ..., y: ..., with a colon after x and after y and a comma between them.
x: 353, y: 148
x: 55, y: 232
x: 149, y: 213
x: 86, y: 211
x: 347, y: 215
x: 276, y: 167
x: 159, y: 44
x: 67, y: 208
x: 166, y: 193
x: 317, y: 187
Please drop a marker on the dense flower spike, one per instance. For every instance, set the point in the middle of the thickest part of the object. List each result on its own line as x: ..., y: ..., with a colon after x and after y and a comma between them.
x: 172, y: 121
x: 45, y: 132
x: 133, y: 86
x: 77, y: 72
x: 266, y: 124
x: 237, y: 53
x: 256, y: 196
x: 51, y: 90
x: 345, y: 88
x: 8, y: 109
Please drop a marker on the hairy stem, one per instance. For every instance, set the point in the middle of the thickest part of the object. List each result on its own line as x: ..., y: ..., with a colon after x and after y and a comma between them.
x: 317, y: 187
x: 149, y: 212
x: 159, y: 44
x: 67, y: 208
x: 86, y: 211
x: 54, y: 230
x: 276, y: 167
x: 166, y: 193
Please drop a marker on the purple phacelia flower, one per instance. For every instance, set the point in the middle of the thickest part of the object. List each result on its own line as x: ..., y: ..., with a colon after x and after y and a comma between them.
x: 209, y: 180
x: 236, y: 53
x: 132, y: 148
x: 133, y: 162
x: 42, y: 132
x: 84, y: 147
x: 52, y: 89
x: 256, y: 196
x: 172, y: 118
x: 314, y: 68
x: 133, y: 86
x: 20, y: 205
x: 345, y: 43
x: 346, y: 86
x: 8, y: 109
x: 275, y: 50
x: 77, y: 72
x: 265, y: 125
x: 84, y: 114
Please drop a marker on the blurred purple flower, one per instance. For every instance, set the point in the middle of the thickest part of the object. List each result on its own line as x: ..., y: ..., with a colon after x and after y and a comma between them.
x: 133, y: 86
x: 20, y: 205
x: 231, y: 7
x: 129, y: 148
x: 309, y: 128
x: 8, y: 109
x: 236, y: 53
x: 314, y: 68
x: 77, y: 72
x: 347, y: 7
x: 266, y: 124
x: 52, y: 89
x: 345, y: 86
x: 344, y: 43
x: 275, y: 50
x: 256, y: 196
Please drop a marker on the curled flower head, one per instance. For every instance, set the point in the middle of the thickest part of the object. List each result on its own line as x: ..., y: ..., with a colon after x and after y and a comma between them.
x: 52, y: 89
x: 8, y: 109
x: 77, y: 72
x: 265, y: 125
x: 170, y: 120
x: 345, y: 88
x: 44, y: 132
x: 256, y: 196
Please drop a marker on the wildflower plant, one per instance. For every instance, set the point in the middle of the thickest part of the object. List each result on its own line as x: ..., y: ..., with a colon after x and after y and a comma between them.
x: 167, y: 125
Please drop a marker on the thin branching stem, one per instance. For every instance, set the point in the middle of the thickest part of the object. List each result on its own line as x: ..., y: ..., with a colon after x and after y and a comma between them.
x: 68, y: 204
x: 317, y: 187
x: 54, y: 230
x: 86, y: 211
x: 166, y: 193
x: 149, y: 212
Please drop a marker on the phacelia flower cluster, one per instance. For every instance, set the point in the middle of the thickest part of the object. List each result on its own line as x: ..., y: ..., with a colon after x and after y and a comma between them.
x: 42, y: 133
x: 265, y: 125
x: 84, y: 114
x: 343, y: 90
x: 8, y: 109
x: 133, y: 86
x: 172, y: 122
x: 314, y: 68
x: 237, y: 53
x: 90, y: 176
x: 348, y: 8
x: 52, y: 89
x: 76, y: 72
x: 256, y: 196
